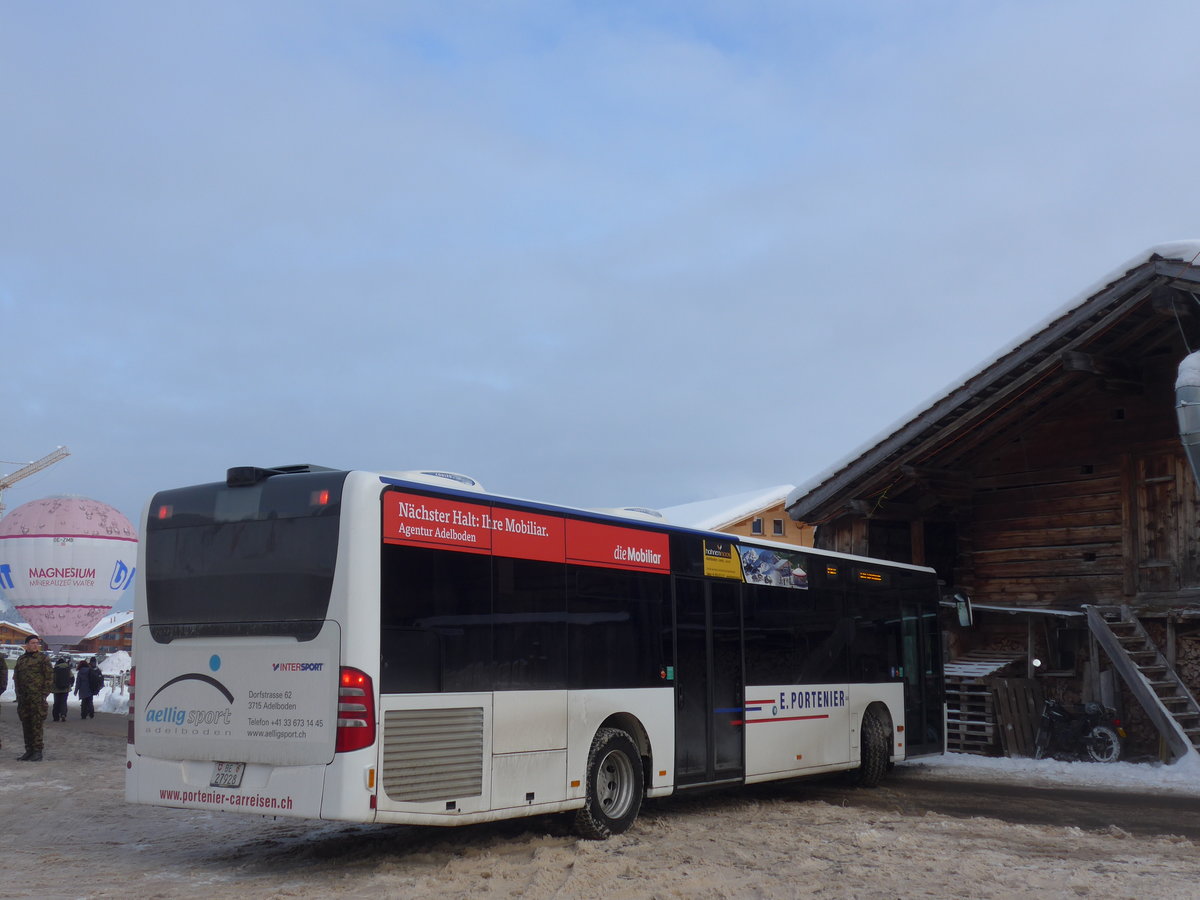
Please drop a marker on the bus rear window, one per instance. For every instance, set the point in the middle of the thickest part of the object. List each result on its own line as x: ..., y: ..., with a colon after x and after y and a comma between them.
x: 252, y: 560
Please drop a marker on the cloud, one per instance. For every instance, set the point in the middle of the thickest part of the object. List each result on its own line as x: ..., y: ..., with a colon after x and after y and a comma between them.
x: 634, y: 253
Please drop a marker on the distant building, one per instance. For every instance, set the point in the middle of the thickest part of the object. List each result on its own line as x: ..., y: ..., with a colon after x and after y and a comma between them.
x: 14, y: 634
x: 112, y: 633
x: 755, y: 514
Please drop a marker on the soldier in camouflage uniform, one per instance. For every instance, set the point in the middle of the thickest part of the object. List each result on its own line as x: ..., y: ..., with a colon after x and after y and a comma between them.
x: 33, y: 678
x: 3, y: 675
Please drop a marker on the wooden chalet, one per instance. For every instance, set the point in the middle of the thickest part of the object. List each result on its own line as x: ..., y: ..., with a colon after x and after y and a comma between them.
x: 1053, y: 488
x: 754, y: 514
x: 112, y: 633
x: 14, y: 634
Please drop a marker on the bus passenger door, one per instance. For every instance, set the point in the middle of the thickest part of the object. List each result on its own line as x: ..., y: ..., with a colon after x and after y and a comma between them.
x: 708, y: 682
x: 922, y: 678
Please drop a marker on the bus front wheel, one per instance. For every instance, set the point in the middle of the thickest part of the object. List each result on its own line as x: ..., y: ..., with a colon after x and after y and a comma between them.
x: 614, y: 786
x: 874, y: 749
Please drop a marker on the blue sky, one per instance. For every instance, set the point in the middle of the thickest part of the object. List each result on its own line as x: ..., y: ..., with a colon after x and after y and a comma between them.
x: 593, y: 254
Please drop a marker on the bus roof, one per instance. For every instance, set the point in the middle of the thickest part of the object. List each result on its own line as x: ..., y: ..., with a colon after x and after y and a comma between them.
x: 650, y: 519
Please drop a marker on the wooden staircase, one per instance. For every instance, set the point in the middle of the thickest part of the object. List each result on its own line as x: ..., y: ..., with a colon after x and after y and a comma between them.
x: 1152, y: 681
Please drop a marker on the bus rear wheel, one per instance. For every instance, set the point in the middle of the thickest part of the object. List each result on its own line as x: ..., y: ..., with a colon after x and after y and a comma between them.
x: 614, y: 786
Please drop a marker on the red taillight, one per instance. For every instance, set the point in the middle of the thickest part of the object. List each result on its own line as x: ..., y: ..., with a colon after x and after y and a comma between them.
x: 319, y: 498
x: 165, y: 511
x: 129, y: 723
x: 356, y: 710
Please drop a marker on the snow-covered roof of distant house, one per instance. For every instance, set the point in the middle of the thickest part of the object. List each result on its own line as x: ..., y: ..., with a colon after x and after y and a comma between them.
x: 1001, y: 376
x: 109, y: 622
x: 708, y: 515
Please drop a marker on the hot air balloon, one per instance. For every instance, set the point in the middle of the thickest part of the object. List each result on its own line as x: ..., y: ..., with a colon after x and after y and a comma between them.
x: 64, y: 561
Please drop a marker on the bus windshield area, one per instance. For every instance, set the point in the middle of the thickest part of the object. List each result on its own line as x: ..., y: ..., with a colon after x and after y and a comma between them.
x: 247, y: 560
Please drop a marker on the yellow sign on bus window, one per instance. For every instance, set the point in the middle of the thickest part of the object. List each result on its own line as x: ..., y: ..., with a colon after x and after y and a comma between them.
x: 720, y: 561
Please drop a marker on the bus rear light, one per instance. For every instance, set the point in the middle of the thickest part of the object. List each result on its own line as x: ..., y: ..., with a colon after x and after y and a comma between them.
x: 319, y: 498
x: 129, y: 723
x: 165, y: 511
x: 355, y: 711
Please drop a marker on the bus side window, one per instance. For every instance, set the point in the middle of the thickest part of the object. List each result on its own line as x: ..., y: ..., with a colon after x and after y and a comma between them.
x: 439, y: 606
x: 410, y: 661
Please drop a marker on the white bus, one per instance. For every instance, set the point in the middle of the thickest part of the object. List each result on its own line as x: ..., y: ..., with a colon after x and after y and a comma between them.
x: 406, y: 648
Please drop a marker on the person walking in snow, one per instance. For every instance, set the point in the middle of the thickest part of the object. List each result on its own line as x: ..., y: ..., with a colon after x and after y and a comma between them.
x: 33, y: 677
x: 62, y: 687
x: 83, y: 690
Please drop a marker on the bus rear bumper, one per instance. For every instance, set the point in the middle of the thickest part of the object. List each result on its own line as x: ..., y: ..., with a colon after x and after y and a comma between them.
x: 186, y: 784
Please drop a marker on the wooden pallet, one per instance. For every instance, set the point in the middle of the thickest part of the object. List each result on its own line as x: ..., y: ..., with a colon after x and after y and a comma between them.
x: 970, y: 716
x: 972, y: 723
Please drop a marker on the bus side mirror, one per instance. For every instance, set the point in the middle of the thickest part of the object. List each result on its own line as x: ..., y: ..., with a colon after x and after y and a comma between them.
x: 962, y: 604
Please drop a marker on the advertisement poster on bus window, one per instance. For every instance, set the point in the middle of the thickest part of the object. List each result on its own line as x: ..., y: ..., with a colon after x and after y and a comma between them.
x: 720, y: 561
x: 454, y: 524
x: 769, y: 565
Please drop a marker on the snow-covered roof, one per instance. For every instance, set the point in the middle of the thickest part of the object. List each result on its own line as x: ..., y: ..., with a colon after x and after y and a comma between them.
x: 820, y: 487
x: 109, y: 622
x: 709, y: 515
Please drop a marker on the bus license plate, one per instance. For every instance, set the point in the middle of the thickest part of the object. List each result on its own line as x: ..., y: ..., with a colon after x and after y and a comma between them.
x: 227, y: 774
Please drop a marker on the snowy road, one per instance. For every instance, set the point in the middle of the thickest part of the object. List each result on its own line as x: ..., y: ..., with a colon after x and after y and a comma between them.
x: 940, y: 830
x: 917, y: 792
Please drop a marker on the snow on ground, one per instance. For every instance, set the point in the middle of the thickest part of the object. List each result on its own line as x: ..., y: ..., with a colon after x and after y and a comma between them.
x: 1181, y: 778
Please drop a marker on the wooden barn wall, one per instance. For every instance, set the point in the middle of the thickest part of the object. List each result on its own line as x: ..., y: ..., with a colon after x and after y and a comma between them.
x: 1046, y: 536
x: 1089, y: 502
x: 1053, y: 518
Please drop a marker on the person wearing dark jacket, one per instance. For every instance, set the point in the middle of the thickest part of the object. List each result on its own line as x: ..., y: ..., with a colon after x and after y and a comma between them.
x: 84, y: 691
x: 63, y: 680
x: 3, y: 675
x: 97, y: 677
x: 33, y: 677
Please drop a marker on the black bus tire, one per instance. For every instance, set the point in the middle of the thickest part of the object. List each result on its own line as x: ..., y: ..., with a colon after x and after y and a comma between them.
x: 875, y: 744
x: 614, y: 786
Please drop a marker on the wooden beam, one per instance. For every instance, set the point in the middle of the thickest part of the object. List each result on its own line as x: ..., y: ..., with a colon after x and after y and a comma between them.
x: 1117, y: 375
x: 917, y: 536
x: 887, y: 509
x: 1168, y: 301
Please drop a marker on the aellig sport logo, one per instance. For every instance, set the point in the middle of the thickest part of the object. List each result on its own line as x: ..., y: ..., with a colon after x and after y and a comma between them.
x: 179, y: 720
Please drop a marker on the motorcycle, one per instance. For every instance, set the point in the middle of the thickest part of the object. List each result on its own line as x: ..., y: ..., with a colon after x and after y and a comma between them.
x: 1090, y: 731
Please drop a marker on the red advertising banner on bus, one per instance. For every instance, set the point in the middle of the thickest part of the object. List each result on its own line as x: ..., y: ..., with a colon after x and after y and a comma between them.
x: 436, y: 521
x: 594, y: 544
x: 453, y: 524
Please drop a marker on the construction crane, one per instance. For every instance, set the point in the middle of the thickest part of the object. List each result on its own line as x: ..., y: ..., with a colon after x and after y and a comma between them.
x: 7, y: 481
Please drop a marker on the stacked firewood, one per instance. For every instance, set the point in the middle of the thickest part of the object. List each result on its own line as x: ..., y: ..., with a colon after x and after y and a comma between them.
x: 1187, y: 660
